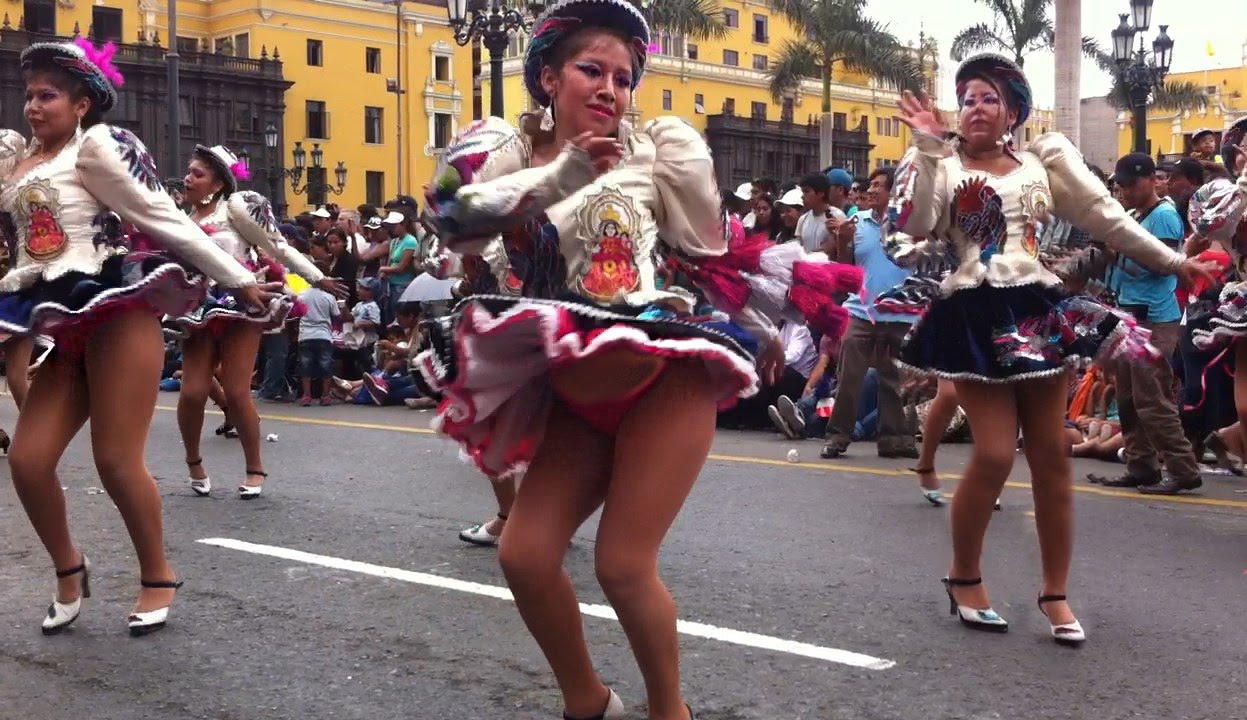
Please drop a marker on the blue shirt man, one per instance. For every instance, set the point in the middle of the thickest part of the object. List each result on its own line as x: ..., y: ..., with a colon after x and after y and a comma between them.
x: 881, y: 274
x: 1136, y: 286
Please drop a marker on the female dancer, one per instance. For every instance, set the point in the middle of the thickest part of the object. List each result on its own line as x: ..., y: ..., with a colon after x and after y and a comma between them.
x: 75, y: 281
x: 219, y: 334
x: 1217, y: 212
x: 1005, y: 330
x: 577, y: 391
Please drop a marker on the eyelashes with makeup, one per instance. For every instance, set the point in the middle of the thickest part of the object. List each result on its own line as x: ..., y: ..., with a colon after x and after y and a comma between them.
x: 593, y: 71
x: 986, y: 100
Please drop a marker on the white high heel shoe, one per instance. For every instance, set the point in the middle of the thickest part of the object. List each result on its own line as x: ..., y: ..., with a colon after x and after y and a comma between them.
x: 984, y: 619
x: 614, y: 709
x: 146, y: 623
x: 62, y: 615
x: 251, y: 492
x: 1071, y: 633
x: 201, y: 487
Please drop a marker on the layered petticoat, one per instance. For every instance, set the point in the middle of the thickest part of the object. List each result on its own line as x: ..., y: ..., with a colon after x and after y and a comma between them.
x: 1006, y: 334
x: 220, y: 308
x: 1226, y: 323
x: 67, y: 307
x: 492, y: 360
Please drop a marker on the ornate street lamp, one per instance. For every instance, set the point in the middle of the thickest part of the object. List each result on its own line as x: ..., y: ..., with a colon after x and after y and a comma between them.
x: 491, y: 22
x: 1140, y: 72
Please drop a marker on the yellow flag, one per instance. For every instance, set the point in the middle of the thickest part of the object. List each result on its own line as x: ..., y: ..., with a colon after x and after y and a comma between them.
x: 1208, y: 48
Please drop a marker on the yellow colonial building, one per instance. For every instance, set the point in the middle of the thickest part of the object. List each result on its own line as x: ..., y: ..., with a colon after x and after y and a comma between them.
x: 1169, y: 133
x: 721, y: 87
x: 377, y: 86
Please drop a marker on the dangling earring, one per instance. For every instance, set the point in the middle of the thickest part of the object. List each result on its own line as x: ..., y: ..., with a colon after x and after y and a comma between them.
x: 1005, y: 140
x: 547, y: 119
x: 78, y: 128
x: 208, y: 200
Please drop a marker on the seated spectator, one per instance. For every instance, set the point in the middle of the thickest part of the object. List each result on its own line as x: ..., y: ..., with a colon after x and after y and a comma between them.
x: 394, y: 385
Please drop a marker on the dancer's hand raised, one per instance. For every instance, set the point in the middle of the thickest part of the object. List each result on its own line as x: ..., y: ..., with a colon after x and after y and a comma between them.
x: 603, y: 151
x: 771, y: 362
x: 919, y: 113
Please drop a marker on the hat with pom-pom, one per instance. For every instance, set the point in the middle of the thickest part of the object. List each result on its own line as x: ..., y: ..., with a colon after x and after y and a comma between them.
x: 228, y: 167
x: 84, y: 61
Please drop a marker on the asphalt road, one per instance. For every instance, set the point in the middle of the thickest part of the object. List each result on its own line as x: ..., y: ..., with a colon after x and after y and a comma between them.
x: 344, y: 593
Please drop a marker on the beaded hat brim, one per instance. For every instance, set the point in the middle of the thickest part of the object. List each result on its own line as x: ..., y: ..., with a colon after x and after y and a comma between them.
x: 71, y: 59
x: 1013, y: 81
x: 567, y: 15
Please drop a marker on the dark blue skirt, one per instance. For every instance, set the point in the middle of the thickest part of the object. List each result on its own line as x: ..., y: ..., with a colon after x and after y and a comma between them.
x: 1002, y: 335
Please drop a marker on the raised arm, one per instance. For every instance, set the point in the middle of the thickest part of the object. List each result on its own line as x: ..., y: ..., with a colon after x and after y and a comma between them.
x: 118, y: 171
x: 252, y: 217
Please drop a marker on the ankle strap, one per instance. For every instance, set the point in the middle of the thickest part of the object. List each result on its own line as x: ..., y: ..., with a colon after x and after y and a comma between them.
x: 261, y: 473
x: 963, y: 582
x: 161, y: 584
x: 193, y: 463
x: 1051, y: 598
x: 72, y: 571
x: 501, y: 516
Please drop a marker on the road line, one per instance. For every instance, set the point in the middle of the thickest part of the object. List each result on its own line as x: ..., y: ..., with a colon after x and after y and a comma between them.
x: 824, y: 467
x: 694, y: 629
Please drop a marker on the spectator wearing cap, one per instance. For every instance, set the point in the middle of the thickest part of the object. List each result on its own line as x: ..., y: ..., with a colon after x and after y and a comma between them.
x: 322, y: 220
x: 742, y: 204
x: 1145, y: 399
x: 1204, y: 145
x: 840, y: 192
x: 400, y: 268
x: 788, y: 208
x: 376, y: 249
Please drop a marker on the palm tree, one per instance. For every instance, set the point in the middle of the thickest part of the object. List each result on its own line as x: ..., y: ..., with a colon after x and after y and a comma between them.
x: 1023, y: 26
x: 838, y: 32
x: 1068, y: 62
x: 690, y: 19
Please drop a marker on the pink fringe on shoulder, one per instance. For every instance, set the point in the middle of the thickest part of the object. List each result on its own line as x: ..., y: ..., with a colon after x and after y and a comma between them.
x: 239, y: 171
x: 102, y: 58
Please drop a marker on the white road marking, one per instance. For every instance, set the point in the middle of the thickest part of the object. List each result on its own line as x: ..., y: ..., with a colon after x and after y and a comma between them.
x: 695, y: 629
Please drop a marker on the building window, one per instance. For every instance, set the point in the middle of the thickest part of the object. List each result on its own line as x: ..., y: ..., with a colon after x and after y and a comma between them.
x: 316, y: 185
x: 242, y: 45
x: 372, y: 60
x: 188, y: 44
x: 838, y: 121
x: 729, y: 106
x: 1028, y: 134
x: 106, y: 23
x: 699, y: 104
x: 730, y: 57
x: 40, y: 16
x: 759, y: 29
x: 692, y: 51
x: 441, y: 68
x: 441, y: 130
x: 759, y: 62
x: 666, y: 100
x: 374, y: 187
x: 757, y: 110
x: 317, y: 120
x: 315, y: 53
x: 731, y: 18
x: 785, y: 113
x: 372, y: 126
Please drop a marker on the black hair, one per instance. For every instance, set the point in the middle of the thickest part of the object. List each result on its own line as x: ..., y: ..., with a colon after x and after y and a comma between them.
x: 888, y: 173
x: 220, y: 172
x: 1191, y: 169
x: 65, y: 82
x: 817, y: 182
x: 766, y: 185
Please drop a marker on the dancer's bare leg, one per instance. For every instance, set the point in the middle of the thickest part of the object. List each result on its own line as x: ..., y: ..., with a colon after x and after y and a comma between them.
x: 56, y: 410
x: 198, y: 363
x: 240, y: 343
x: 992, y: 413
x: 17, y: 352
x: 939, y: 415
x: 122, y: 401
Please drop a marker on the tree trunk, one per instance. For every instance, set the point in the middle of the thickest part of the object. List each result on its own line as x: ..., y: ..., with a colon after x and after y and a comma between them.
x: 825, y: 129
x: 1068, y: 49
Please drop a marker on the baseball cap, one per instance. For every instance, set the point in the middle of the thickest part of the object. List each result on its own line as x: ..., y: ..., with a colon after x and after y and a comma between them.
x: 744, y: 191
x: 1190, y: 169
x: 839, y: 177
x: 394, y: 218
x: 1133, y: 167
x: 374, y: 223
x: 793, y: 198
x: 321, y: 213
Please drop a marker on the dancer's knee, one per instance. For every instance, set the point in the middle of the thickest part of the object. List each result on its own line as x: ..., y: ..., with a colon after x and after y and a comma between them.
x: 622, y: 570
x: 529, y: 560
x: 27, y: 463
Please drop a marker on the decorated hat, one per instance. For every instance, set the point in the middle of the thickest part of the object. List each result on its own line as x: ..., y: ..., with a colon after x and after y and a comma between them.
x: 564, y: 17
x: 226, y: 164
x: 92, y: 65
x: 1230, y: 139
x: 1007, y: 75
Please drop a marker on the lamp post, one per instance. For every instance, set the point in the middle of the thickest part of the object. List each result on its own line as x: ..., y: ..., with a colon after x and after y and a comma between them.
x: 300, y: 156
x: 1140, y: 72
x: 491, y: 22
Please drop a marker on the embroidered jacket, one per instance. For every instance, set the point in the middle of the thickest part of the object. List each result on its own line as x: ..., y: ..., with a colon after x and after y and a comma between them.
x: 992, y: 224
x: 60, y: 210
x: 561, y: 227
x: 1218, y: 211
x: 245, y: 223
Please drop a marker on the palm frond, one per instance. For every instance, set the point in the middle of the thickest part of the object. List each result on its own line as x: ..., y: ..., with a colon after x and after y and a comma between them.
x: 878, y: 55
x: 797, y: 61
x: 692, y: 19
x: 797, y: 12
x: 973, y: 39
x: 1172, y: 96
